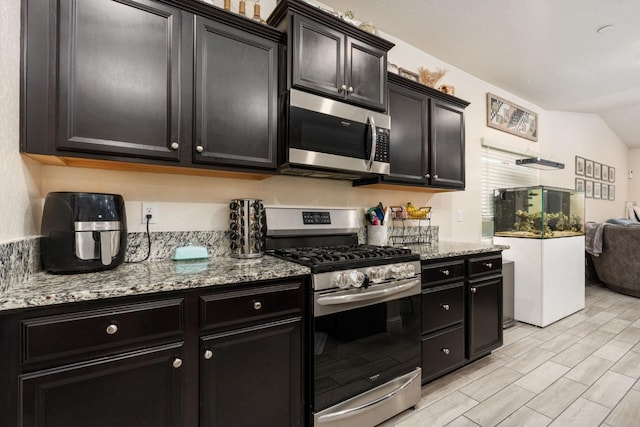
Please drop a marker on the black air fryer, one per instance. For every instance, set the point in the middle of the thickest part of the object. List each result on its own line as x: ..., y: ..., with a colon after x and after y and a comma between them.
x: 83, y: 232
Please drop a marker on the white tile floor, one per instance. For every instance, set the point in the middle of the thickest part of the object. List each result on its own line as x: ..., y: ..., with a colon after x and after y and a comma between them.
x: 581, y: 371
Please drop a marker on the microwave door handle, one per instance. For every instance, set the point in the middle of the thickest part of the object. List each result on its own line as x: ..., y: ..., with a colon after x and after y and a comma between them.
x: 374, y: 139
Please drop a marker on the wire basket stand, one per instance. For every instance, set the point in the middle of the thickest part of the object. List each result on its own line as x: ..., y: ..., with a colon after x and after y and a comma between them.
x: 410, y: 228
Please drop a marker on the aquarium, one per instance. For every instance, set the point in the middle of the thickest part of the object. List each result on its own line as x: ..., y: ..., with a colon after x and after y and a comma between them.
x: 538, y: 212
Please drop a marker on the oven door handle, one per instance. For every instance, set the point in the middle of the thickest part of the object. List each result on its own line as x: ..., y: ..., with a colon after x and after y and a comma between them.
x: 365, y: 296
x: 351, y: 411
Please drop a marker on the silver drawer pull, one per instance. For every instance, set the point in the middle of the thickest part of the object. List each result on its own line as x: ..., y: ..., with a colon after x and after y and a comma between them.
x: 177, y: 362
x: 445, y: 350
x: 208, y: 354
x: 112, y: 329
x: 473, y: 290
x: 445, y: 272
x: 488, y: 264
x: 445, y: 307
x: 257, y: 305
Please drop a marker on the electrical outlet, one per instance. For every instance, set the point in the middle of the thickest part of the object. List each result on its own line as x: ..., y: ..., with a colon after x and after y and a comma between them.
x: 149, y: 209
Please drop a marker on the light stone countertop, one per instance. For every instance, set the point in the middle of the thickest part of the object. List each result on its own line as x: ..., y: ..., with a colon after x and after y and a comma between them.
x: 43, y: 289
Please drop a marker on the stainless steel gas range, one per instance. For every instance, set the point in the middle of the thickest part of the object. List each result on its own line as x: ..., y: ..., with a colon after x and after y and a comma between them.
x: 365, y: 328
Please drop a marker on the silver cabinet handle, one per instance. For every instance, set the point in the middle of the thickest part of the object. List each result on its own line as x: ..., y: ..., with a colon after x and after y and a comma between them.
x: 175, y: 145
x: 342, y: 88
x: 473, y: 290
x: 445, y: 307
x: 199, y: 148
x: 445, y: 350
x: 374, y: 140
x: 112, y: 329
x: 208, y: 354
x: 177, y: 362
x: 350, y: 89
x: 257, y: 305
x: 445, y: 272
x: 488, y: 264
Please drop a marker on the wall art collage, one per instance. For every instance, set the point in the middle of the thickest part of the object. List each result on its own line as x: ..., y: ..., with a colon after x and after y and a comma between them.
x: 595, y: 179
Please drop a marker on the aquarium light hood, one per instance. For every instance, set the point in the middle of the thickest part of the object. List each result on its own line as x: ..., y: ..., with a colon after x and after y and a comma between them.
x: 538, y: 163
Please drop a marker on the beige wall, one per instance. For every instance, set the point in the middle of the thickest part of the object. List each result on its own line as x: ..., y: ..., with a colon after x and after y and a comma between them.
x: 197, y: 203
x: 634, y: 183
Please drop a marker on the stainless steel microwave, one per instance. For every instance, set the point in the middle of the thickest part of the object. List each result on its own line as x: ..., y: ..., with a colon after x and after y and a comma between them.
x: 327, y: 138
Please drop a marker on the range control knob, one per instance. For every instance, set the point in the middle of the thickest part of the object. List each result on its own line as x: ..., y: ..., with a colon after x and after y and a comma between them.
x: 377, y: 274
x: 341, y: 280
x: 356, y: 278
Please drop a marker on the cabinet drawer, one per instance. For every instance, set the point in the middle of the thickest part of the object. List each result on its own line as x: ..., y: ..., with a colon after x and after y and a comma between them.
x: 248, y: 305
x: 485, y: 265
x: 442, y: 352
x: 442, y: 272
x: 53, y: 337
x: 442, y: 306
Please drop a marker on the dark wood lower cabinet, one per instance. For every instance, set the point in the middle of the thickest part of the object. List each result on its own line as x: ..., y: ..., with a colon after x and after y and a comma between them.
x: 461, y: 311
x: 252, y: 377
x: 136, y: 389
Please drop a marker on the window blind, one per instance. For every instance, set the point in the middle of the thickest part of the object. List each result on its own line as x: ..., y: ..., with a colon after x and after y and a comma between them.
x: 499, y: 170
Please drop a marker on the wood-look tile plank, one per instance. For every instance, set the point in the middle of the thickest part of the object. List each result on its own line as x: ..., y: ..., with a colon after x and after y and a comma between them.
x: 615, y: 326
x: 613, y: 350
x: 526, y: 417
x: 499, y: 406
x: 628, y: 365
x: 627, y: 412
x: 560, y: 342
x: 530, y: 360
x: 597, y: 338
x: 462, y: 421
x: 609, y: 389
x: 486, y: 365
x: 557, y: 397
x: 520, y: 347
x: 602, y: 317
x: 581, y: 413
x: 583, y: 329
x: 442, y: 387
x: 488, y: 385
x: 589, y: 370
x: 440, y: 413
x: 542, y: 377
x: 630, y: 335
x: 573, y: 355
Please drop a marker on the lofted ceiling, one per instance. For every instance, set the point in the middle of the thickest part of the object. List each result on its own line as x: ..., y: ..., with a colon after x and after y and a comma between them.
x: 545, y: 51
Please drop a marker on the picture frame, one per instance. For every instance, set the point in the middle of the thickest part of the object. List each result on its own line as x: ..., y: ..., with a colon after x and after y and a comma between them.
x: 403, y: 72
x: 612, y: 192
x: 588, y: 168
x: 605, y: 173
x: 604, y: 192
x: 579, y: 165
x: 596, y: 190
x: 580, y: 184
x: 612, y: 174
x: 588, y: 189
x: 511, y: 118
x: 597, y: 170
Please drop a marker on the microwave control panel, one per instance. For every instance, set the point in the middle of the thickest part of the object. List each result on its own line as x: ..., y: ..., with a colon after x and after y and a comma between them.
x: 382, y: 145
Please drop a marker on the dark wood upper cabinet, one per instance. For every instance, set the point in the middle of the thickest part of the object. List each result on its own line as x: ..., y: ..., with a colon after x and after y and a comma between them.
x: 119, y: 78
x: 427, y: 138
x: 173, y: 83
x: 236, y: 92
x: 331, y: 57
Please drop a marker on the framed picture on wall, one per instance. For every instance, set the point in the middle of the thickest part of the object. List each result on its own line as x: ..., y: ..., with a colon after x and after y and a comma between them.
x: 596, y: 190
x: 588, y: 188
x: 579, y: 165
x: 612, y: 174
x: 605, y: 173
x: 588, y: 168
x: 597, y: 171
x: 579, y: 184
x: 612, y: 192
x: 604, y: 192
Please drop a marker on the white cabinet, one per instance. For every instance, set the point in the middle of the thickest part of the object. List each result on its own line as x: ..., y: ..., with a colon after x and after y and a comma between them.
x: 548, y: 275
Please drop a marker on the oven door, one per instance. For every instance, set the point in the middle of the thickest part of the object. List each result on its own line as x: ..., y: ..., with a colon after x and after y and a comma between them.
x: 333, y: 135
x: 363, y: 339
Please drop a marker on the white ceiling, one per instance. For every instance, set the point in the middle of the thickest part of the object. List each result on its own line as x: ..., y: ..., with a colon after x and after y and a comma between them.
x: 545, y: 51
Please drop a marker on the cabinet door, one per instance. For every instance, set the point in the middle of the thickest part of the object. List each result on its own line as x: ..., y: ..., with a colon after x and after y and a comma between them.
x: 484, y: 316
x: 366, y: 74
x: 318, y: 57
x: 252, y: 376
x: 119, y: 78
x: 140, y: 389
x: 447, y: 145
x: 408, y: 153
x: 236, y: 97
